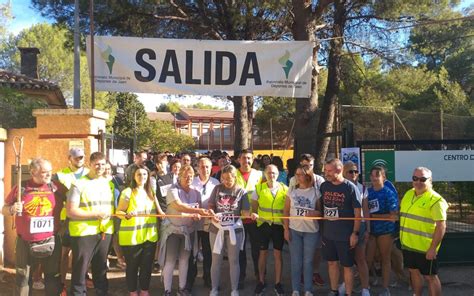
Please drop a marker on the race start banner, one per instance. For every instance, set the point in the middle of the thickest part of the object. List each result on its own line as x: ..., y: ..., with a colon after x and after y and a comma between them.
x: 202, y: 67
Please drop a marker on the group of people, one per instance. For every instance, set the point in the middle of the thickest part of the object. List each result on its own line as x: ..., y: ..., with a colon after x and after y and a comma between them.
x: 169, y: 210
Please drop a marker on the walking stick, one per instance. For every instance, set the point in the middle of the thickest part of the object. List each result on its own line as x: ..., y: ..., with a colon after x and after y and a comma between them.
x: 18, y: 147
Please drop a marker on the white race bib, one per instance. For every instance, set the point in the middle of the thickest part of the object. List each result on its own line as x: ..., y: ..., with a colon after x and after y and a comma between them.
x: 226, y: 218
x: 331, y: 212
x: 164, y: 190
x: 194, y: 205
x: 302, y: 211
x: 374, y: 206
x: 41, y: 224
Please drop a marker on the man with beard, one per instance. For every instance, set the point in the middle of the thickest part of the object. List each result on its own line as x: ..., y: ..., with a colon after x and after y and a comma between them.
x: 248, y: 178
x: 90, y: 203
x: 340, y: 198
x: 68, y: 177
x: 37, y: 217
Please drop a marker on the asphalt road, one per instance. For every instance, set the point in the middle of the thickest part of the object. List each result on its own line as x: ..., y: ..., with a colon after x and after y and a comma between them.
x: 456, y: 280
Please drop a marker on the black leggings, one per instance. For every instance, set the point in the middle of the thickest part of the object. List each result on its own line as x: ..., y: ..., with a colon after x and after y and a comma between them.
x: 139, y: 257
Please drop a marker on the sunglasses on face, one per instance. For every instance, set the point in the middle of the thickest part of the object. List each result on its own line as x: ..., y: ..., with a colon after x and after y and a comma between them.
x: 353, y: 171
x: 421, y: 179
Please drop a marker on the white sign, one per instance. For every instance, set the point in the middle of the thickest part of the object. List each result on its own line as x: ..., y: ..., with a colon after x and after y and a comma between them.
x: 202, y: 67
x: 118, y: 157
x: 446, y: 165
x: 351, y: 154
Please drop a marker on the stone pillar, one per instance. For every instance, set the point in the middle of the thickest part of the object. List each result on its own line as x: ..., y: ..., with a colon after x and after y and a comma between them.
x: 3, y: 138
x: 56, y: 131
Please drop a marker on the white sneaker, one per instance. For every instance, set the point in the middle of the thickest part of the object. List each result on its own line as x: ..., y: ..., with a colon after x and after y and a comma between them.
x: 308, y: 293
x: 295, y: 293
x: 214, y: 293
x: 342, y: 289
x: 365, y: 292
x: 38, y: 285
x: 234, y: 293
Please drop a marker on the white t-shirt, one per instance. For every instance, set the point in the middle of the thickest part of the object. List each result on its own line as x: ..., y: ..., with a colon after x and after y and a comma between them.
x: 205, y: 189
x: 301, y: 201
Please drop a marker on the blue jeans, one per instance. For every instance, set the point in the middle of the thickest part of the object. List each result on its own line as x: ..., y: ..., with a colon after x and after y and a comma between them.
x: 302, y: 246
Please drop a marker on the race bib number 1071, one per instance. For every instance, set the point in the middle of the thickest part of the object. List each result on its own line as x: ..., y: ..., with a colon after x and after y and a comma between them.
x: 41, y: 224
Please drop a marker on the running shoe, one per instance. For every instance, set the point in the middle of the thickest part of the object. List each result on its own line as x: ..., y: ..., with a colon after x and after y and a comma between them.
x: 295, y: 293
x: 38, y: 285
x: 308, y: 293
x: 385, y: 292
x: 365, y: 292
x: 279, y: 289
x: 317, y: 279
x: 259, y: 288
x: 342, y: 289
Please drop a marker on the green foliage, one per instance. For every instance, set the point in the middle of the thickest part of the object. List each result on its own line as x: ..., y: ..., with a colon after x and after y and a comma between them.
x: 161, y: 136
x: 55, y: 63
x: 16, y: 109
x: 174, y: 107
x: 5, y: 17
x: 200, y: 105
x: 130, y: 119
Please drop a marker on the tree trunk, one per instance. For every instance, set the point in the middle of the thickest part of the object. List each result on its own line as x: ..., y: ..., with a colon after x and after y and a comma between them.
x: 305, y: 126
x: 242, y: 132
x: 328, y: 108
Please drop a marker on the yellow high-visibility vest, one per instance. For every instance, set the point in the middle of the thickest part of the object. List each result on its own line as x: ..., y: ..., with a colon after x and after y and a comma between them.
x: 95, y: 195
x: 67, y: 178
x: 416, y: 223
x: 138, y: 230
x: 255, y: 178
x: 270, y: 208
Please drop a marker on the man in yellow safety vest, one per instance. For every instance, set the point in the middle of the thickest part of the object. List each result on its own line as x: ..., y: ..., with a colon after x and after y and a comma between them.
x: 67, y: 177
x: 422, y: 227
x: 90, y: 203
x: 269, y: 201
x: 248, y: 178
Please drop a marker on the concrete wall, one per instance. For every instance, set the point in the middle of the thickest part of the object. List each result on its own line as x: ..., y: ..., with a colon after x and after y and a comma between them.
x: 56, y: 131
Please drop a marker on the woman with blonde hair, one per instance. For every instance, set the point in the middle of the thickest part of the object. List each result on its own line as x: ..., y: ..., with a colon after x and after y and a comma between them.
x: 302, y: 234
x: 179, y: 233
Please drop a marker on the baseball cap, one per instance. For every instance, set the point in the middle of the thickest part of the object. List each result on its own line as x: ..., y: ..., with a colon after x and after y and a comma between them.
x: 76, y: 152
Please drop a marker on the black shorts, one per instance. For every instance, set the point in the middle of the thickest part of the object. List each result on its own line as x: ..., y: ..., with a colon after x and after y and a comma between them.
x: 274, y: 232
x: 415, y: 260
x: 338, y: 251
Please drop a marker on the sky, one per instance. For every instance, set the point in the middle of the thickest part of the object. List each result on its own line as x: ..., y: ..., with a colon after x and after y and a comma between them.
x: 25, y: 16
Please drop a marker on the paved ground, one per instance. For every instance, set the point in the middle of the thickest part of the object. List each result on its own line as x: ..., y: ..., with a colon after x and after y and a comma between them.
x: 456, y: 280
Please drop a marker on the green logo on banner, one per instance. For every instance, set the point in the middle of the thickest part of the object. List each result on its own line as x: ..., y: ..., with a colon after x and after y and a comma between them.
x: 108, y: 58
x: 384, y: 159
x: 285, y: 61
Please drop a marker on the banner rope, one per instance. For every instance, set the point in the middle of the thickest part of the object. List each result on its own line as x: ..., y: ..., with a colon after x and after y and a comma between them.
x: 249, y: 217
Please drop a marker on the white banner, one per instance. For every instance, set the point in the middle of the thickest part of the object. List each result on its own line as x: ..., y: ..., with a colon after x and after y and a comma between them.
x: 446, y: 165
x: 202, y: 67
